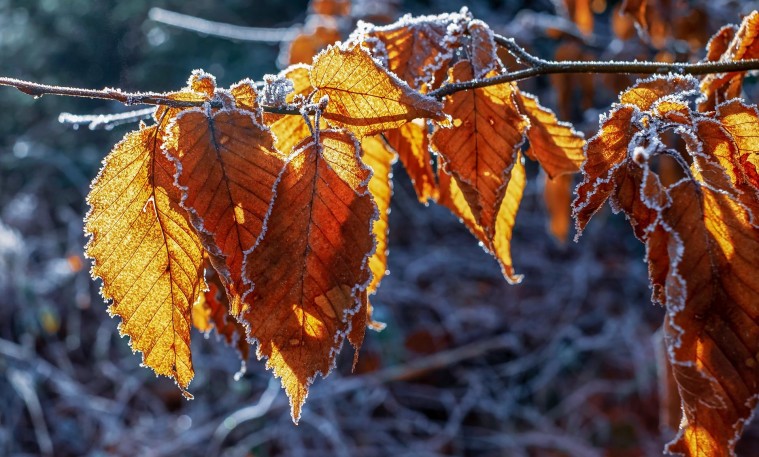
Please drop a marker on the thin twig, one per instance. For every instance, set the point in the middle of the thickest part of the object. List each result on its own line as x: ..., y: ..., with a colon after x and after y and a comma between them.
x: 221, y: 29
x: 104, y: 121
x: 128, y: 98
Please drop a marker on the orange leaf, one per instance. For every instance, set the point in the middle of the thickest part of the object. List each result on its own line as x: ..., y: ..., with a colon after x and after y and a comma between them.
x: 744, y: 45
x: 309, y: 271
x: 556, y: 145
x: 712, y: 310
x: 363, y: 96
x: 211, y: 311
x: 411, y: 142
x: 312, y: 39
x: 701, y: 246
x: 480, y: 147
x: 499, y: 243
x: 482, y: 49
x: 146, y: 253
x: 379, y: 159
x: 227, y: 169
x: 557, y: 194
x: 581, y: 15
x: 419, y: 50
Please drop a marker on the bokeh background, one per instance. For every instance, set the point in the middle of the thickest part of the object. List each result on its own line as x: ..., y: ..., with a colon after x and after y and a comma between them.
x: 564, y: 364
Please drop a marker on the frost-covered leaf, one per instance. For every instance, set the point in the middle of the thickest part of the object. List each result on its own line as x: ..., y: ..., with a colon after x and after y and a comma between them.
x: 419, y: 49
x: 701, y: 245
x: 309, y: 272
x: 556, y: 145
x: 227, y: 168
x: 363, y: 96
x: 480, y: 147
x: 499, y: 243
x: 744, y: 45
x: 146, y: 253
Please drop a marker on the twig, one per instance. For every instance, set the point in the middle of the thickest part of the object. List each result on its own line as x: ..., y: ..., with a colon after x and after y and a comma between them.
x: 220, y: 29
x: 538, y: 67
x: 546, y: 67
x: 105, y: 121
x: 128, y: 98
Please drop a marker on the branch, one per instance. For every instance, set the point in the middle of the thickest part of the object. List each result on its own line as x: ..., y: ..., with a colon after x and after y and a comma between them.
x: 541, y: 67
x: 127, y: 98
x: 105, y: 121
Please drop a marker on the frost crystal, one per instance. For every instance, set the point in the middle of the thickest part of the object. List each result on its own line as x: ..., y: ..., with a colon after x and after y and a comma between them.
x: 275, y: 90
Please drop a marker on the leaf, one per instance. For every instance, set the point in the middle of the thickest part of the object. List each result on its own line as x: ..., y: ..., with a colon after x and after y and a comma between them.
x: 744, y: 45
x: 701, y: 247
x: 480, y: 147
x: 227, y: 168
x: 482, y: 49
x: 581, y: 14
x: 363, y: 96
x: 712, y: 309
x: 310, y: 270
x: 499, y: 243
x: 379, y: 159
x: 411, y: 142
x: 557, y: 194
x: 556, y: 145
x: 146, y: 253
x: 211, y: 311
x: 313, y: 38
x: 419, y: 49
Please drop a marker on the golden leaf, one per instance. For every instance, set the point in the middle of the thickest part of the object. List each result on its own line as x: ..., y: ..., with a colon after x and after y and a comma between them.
x: 146, y: 253
x: 227, y: 169
x: 556, y: 145
x: 480, y: 147
x: 363, y: 96
x: 379, y: 159
x: 411, y: 142
x: 309, y: 271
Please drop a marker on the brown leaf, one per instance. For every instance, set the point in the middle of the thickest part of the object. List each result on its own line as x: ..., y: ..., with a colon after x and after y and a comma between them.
x: 411, y: 142
x: 419, y: 50
x: 146, y: 253
x: 482, y: 49
x: 310, y: 41
x: 744, y: 45
x: 480, y: 147
x: 310, y: 270
x: 227, y: 169
x: 556, y: 145
x: 363, y: 96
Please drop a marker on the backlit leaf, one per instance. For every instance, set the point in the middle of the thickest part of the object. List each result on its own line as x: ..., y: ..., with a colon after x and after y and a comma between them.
x: 418, y: 50
x: 227, y: 167
x: 146, y: 253
x: 411, y: 142
x: 310, y: 271
x: 363, y: 96
x: 556, y: 145
x: 480, y: 148
x: 744, y: 45
x: 379, y: 159
x: 557, y: 194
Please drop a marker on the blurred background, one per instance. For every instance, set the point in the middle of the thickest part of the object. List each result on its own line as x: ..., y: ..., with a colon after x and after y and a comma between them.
x: 564, y: 364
